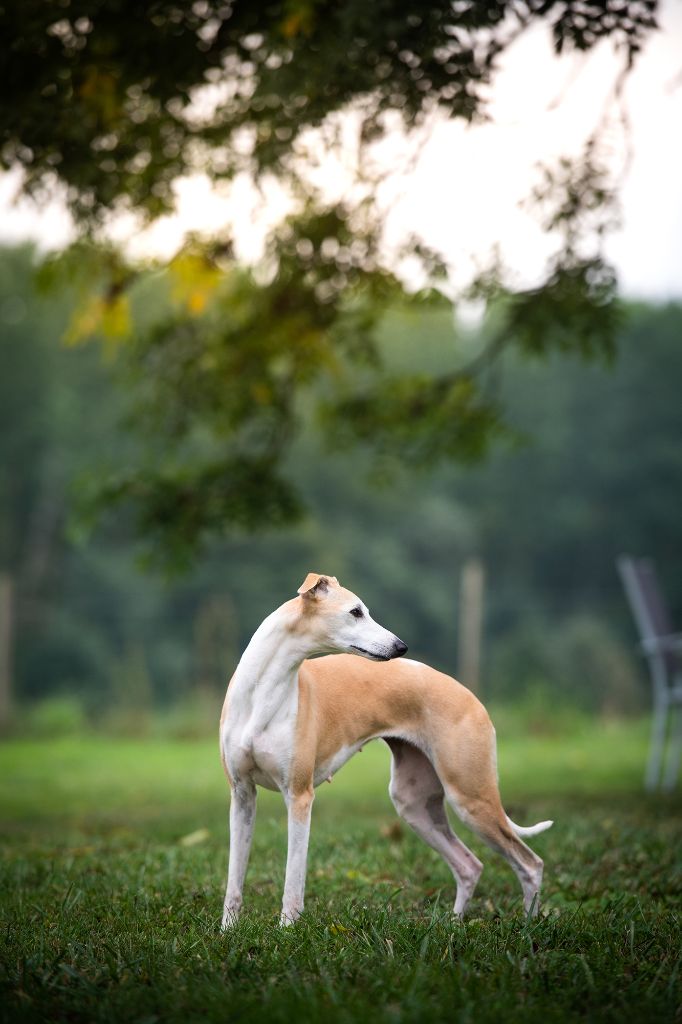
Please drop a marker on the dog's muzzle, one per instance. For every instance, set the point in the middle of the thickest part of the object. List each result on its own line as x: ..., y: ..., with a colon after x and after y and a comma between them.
x: 398, y: 650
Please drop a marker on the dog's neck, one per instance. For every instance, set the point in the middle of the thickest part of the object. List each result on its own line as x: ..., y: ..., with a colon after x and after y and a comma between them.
x: 266, y: 677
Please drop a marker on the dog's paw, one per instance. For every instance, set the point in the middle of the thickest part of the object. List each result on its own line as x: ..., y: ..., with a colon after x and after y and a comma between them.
x: 289, y: 916
x: 231, y: 912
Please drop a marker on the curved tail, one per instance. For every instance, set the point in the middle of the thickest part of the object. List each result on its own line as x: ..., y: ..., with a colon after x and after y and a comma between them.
x: 531, y: 830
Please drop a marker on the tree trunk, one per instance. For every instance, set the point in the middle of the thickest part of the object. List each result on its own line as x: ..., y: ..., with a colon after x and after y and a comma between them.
x: 6, y: 647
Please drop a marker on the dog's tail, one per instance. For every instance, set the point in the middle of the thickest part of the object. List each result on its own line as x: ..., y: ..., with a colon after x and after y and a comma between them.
x: 532, y: 830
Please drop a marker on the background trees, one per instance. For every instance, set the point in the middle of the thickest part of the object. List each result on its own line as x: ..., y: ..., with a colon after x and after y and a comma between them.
x: 114, y: 102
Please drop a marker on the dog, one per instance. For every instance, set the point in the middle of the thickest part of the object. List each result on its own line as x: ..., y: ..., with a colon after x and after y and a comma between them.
x: 289, y: 723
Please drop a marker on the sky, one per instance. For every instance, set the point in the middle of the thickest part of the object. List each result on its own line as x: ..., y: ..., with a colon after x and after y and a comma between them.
x: 463, y: 194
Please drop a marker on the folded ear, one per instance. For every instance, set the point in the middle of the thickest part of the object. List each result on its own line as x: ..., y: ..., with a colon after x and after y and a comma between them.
x: 315, y: 585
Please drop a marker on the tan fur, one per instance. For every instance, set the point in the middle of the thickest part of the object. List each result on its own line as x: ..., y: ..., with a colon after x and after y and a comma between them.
x: 344, y: 700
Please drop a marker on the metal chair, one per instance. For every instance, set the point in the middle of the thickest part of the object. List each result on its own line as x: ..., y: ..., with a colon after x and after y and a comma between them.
x: 663, y: 650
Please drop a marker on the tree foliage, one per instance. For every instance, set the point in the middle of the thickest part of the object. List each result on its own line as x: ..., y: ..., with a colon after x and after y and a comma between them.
x: 116, y: 100
x: 104, y: 94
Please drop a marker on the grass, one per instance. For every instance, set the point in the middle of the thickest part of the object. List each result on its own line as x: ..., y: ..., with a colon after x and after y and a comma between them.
x: 113, y: 865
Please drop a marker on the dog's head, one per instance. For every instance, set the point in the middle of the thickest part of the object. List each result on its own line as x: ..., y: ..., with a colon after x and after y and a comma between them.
x: 337, y: 620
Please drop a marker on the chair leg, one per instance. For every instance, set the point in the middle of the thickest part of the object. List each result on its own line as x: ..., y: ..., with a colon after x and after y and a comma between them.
x: 653, y: 770
x: 674, y: 749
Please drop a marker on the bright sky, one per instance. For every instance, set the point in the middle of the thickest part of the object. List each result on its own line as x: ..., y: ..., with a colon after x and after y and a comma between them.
x: 462, y: 196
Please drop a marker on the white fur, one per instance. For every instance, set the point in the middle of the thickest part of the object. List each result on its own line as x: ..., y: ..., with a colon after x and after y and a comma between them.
x: 257, y: 739
x: 530, y: 830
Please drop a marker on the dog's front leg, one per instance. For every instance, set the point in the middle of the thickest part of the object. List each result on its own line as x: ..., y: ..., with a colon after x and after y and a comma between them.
x: 242, y: 818
x: 299, y: 808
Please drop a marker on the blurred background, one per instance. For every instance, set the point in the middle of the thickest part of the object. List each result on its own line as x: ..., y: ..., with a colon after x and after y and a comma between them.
x: 98, y: 636
x: 465, y: 418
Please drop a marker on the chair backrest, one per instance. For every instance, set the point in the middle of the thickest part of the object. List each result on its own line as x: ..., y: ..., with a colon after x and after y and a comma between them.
x: 646, y: 600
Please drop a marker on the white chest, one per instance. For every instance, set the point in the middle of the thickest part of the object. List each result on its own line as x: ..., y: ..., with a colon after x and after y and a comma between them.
x: 260, y: 748
x: 259, y: 728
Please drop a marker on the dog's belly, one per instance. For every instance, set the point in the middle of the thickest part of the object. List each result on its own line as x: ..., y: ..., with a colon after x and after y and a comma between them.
x: 326, y: 769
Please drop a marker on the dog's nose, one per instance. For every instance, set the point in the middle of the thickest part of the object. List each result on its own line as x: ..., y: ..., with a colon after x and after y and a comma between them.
x: 399, y: 648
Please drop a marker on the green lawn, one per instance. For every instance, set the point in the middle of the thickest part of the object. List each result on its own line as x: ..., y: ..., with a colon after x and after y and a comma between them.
x: 109, y: 914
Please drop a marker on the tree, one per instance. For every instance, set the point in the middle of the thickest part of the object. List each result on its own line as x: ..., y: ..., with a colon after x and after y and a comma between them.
x: 116, y: 100
x: 30, y: 483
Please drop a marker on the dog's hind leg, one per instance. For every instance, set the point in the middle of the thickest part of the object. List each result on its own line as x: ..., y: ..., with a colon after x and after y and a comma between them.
x: 468, y: 772
x: 487, y: 818
x: 418, y: 797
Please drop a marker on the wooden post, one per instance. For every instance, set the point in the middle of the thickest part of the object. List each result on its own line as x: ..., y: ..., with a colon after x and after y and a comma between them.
x: 471, y: 623
x: 6, y: 652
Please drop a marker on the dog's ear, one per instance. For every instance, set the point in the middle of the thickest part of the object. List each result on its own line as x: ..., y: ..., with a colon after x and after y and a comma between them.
x: 314, y: 585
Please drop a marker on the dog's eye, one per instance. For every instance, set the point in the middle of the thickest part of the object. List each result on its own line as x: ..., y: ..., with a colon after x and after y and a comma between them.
x: 356, y: 613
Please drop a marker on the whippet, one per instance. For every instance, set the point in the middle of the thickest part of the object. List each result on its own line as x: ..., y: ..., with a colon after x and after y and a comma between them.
x: 288, y: 723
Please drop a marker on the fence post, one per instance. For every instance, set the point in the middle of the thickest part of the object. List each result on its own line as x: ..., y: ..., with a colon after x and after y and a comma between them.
x: 471, y: 623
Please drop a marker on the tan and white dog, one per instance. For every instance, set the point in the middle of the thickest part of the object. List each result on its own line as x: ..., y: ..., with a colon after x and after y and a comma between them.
x: 289, y: 723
